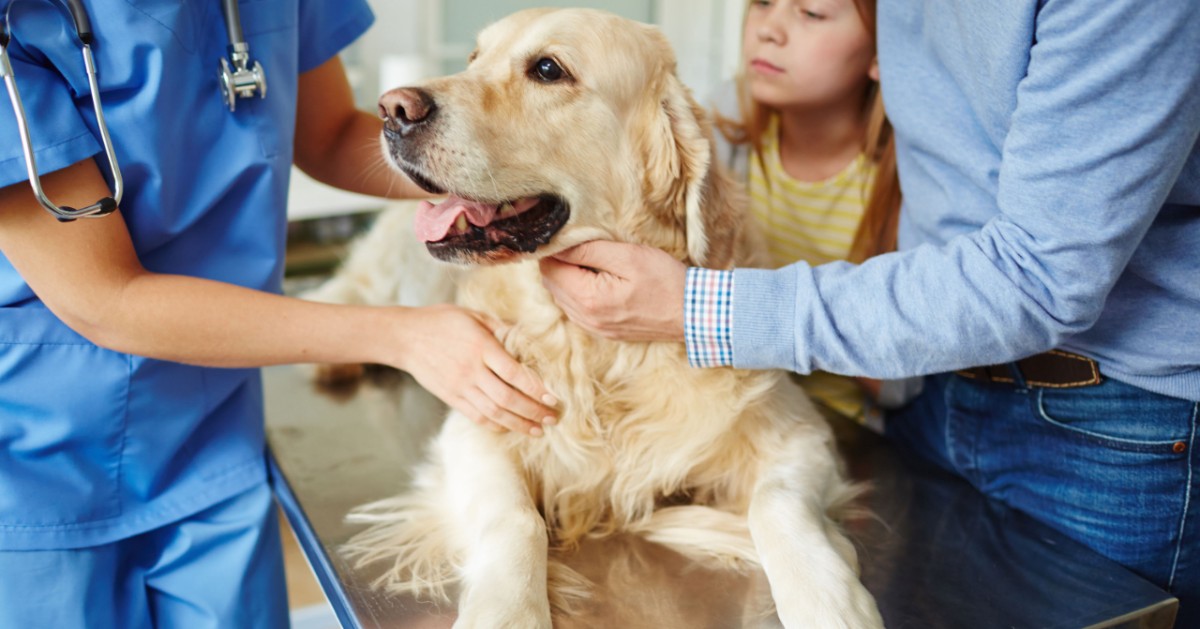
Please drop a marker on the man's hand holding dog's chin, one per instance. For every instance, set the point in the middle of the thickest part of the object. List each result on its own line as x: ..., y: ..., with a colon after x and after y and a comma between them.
x: 619, y: 291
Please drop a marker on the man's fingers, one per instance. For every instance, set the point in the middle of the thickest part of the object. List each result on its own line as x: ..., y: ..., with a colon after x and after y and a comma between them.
x: 579, y: 255
x: 563, y: 273
x: 599, y: 256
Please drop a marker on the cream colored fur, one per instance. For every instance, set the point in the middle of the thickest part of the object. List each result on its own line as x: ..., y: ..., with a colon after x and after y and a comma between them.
x: 723, y: 465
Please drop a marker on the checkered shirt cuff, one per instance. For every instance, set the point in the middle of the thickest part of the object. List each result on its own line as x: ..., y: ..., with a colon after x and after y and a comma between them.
x: 708, y: 317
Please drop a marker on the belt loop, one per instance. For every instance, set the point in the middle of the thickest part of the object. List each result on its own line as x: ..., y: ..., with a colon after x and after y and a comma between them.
x: 1017, y: 376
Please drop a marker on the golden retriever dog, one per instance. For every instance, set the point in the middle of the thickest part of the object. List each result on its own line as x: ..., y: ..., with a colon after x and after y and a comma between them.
x: 567, y: 126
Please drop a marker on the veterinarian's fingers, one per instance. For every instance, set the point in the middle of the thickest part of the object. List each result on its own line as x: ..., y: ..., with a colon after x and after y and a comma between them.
x: 506, y: 397
x: 478, y: 418
x: 494, y: 325
x: 496, y: 414
x: 518, y: 389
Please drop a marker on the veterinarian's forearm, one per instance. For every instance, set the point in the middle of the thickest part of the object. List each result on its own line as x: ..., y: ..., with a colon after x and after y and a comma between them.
x: 203, y: 322
x: 89, y: 275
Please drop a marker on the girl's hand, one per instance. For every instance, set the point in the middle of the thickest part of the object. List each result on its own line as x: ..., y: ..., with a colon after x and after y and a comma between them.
x: 454, y: 354
x: 619, y: 291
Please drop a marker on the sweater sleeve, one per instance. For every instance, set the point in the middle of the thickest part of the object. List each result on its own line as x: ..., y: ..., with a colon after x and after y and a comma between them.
x: 1104, y: 121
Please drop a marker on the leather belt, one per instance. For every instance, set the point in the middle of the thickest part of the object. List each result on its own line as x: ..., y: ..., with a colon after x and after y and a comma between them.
x: 1054, y: 369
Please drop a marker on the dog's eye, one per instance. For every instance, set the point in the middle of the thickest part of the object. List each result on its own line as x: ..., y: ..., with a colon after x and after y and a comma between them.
x: 547, y: 70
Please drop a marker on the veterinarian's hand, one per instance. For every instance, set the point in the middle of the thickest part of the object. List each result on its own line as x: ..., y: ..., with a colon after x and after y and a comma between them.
x: 454, y: 354
x: 619, y: 291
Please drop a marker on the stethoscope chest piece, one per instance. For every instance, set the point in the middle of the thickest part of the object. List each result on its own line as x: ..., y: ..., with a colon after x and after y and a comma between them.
x: 241, y: 80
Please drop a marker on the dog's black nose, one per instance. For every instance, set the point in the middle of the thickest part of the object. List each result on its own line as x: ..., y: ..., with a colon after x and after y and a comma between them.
x: 405, y: 107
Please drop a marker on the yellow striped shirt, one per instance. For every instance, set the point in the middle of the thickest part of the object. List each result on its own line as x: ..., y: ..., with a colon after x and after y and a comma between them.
x: 814, y: 221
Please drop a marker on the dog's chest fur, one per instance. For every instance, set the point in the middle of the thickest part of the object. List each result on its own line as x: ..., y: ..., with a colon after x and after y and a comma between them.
x: 620, y: 403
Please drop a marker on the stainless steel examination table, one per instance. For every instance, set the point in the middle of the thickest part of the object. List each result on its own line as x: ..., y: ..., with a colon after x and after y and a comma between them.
x: 935, y: 554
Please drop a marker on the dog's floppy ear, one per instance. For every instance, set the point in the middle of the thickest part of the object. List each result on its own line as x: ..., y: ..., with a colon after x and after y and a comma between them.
x: 695, y: 155
x: 681, y: 176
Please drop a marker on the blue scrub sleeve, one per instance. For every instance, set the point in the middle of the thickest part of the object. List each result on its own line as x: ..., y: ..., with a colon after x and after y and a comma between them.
x: 57, y: 130
x: 328, y: 26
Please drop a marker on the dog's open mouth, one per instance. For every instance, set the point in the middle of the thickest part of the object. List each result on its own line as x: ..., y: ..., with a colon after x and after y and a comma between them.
x: 462, y: 230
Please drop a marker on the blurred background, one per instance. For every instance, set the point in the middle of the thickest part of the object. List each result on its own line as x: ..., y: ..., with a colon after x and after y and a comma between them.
x: 416, y: 39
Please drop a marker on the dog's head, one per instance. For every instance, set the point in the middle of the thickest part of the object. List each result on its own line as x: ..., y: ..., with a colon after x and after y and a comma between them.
x: 567, y: 125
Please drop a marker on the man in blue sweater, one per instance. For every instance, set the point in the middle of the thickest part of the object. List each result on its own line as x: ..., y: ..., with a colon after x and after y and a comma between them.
x: 1049, y: 272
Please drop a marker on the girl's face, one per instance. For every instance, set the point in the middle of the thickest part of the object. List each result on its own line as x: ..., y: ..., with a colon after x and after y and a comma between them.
x: 806, y: 53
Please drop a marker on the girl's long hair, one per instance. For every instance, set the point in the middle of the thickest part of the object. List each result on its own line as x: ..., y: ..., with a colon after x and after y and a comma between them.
x: 877, y: 229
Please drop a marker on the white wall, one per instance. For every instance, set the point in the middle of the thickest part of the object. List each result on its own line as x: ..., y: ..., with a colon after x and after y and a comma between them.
x: 399, y: 29
x: 420, y: 38
x: 706, y: 39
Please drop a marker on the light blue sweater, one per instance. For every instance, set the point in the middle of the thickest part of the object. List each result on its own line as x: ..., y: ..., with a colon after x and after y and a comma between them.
x: 1049, y: 163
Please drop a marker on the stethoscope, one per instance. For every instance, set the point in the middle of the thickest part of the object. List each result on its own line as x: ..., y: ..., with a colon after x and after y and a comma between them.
x: 241, y: 80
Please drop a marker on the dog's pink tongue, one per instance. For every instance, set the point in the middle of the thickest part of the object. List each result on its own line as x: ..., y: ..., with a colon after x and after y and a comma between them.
x: 433, y: 222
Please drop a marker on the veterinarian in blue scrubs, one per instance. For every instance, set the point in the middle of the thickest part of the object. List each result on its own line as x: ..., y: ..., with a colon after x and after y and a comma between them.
x: 1049, y: 272
x: 132, y: 472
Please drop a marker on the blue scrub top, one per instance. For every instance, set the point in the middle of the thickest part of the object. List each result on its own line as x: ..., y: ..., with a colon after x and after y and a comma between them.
x: 95, y: 445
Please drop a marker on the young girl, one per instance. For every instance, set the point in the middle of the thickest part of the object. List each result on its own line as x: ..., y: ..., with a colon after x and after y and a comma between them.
x: 804, y: 127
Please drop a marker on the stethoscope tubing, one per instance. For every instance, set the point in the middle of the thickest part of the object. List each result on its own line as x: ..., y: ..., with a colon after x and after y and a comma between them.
x: 83, y: 30
x: 233, y: 21
x: 240, y: 80
x: 83, y: 25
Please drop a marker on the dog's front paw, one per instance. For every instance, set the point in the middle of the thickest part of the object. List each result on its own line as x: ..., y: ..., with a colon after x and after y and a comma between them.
x: 851, y: 608
x: 531, y: 612
x: 338, y: 381
x: 502, y: 621
x: 338, y: 374
x: 332, y: 375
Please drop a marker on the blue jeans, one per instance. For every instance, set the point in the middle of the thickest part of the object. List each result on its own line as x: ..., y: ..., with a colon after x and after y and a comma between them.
x: 1112, y: 466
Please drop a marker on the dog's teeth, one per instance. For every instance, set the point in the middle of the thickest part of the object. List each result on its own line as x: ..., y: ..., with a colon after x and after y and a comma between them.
x: 507, y: 210
x: 460, y: 223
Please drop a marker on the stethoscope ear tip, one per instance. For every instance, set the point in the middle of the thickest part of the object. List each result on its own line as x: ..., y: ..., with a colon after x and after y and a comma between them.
x: 103, y: 207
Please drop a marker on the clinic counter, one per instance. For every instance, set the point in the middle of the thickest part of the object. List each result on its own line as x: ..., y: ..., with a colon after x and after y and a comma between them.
x: 935, y: 553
